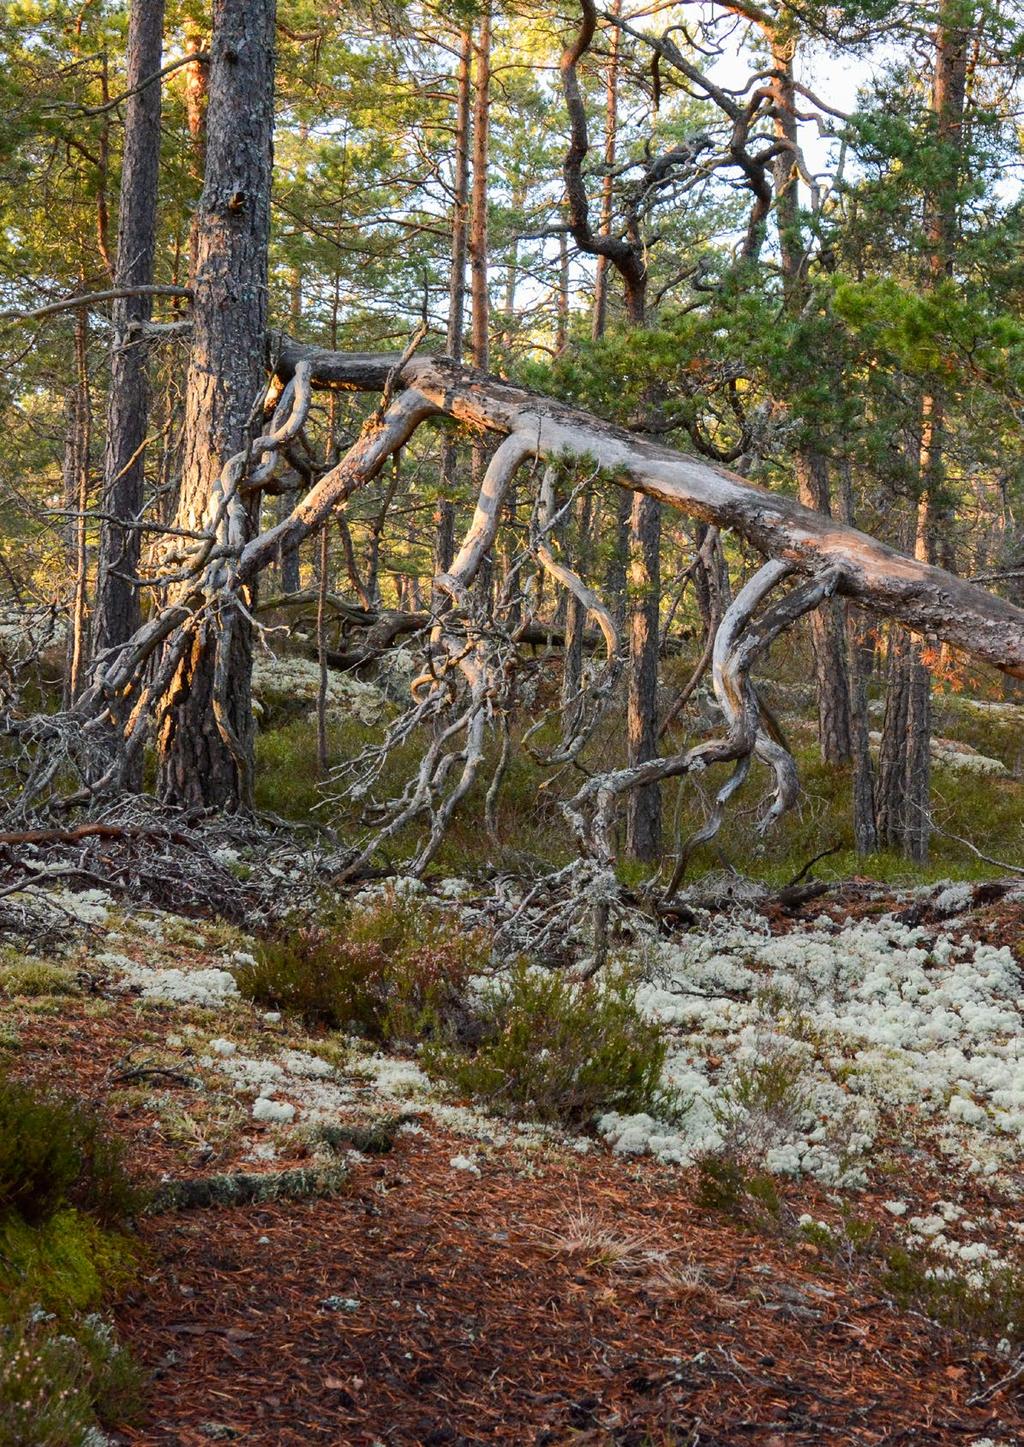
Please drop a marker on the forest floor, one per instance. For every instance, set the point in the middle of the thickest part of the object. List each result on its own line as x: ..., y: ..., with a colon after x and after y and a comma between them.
x: 469, y: 1281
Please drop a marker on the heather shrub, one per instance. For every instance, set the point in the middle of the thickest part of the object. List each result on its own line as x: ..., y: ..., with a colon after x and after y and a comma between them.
x: 392, y: 969
x: 55, y: 1385
x: 554, y: 1050
x: 55, y: 1153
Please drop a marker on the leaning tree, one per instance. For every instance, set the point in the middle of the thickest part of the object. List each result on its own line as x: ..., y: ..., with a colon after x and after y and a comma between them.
x: 183, y: 675
x: 809, y: 559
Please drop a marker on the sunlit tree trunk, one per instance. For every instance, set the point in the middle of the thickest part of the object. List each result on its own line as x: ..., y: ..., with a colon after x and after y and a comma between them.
x: 226, y: 379
x: 812, y: 475
x: 76, y: 471
x: 444, y: 535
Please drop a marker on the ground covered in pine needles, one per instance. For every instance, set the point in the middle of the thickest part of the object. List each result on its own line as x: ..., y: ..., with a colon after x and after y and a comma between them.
x: 447, y: 1278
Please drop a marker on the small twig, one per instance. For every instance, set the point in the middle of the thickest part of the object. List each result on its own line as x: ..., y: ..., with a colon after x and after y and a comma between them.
x: 833, y: 849
x: 394, y: 376
x: 155, y: 1072
x: 1015, y: 1373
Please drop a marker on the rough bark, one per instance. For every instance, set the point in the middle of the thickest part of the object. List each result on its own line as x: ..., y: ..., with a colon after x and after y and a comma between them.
x: 76, y: 477
x: 643, y: 811
x: 827, y: 628
x: 478, y: 243
x: 611, y: 127
x: 907, y: 757
x: 206, y: 733
x: 117, y: 598
x: 444, y: 535
x: 827, y: 632
x: 860, y: 652
x: 627, y: 254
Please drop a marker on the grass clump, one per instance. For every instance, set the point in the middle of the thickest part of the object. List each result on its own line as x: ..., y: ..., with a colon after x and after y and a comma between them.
x: 393, y: 969
x: 554, y: 1050
x: 32, y: 978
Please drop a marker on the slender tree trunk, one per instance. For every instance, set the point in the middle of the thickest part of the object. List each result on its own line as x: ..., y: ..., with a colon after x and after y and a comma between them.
x: 444, y: 534
x: 827, y: 631
x: 643, y: 814
x: 865, y: 829
x: 890, y: 796
x: 117, y: 599
x: 575, y: 624
x: 288, y: 559
x: 828, y: 639
x: 77, y: 444
x: 202, y: 763
x: 611, y: 127
x: 615, y: 575
x: 562, y: 322
x: 478, y: 242
x: 933, y: 534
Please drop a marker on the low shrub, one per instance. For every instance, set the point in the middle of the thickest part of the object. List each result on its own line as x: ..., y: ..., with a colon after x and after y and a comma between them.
x: 984, y: 1306
x: 56, y: 1384
x: 554, y: 1050
x: 725, y: 1186
x: 393, y: 969
x: 54, y: 1153
x: 63, y: 1194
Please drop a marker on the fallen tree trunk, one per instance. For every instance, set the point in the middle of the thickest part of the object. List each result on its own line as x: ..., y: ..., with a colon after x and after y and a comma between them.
x: 926, y: 599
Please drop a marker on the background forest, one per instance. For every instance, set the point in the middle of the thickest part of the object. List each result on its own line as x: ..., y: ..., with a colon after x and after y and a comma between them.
x: 655, y: 214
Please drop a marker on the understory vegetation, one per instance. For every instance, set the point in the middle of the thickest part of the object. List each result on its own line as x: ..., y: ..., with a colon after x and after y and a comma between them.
x: 531, y: 1044
x: 66, y: 1204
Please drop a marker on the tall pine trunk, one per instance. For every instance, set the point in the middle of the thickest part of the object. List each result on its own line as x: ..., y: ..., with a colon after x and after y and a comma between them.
x: 444, y: 535
x: 199, y: 764
x: 76, y: 477
x: 827, y: 633
x: 117, y: 596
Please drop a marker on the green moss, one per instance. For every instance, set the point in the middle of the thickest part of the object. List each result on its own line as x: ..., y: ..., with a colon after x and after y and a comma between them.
x: 68, y: 1263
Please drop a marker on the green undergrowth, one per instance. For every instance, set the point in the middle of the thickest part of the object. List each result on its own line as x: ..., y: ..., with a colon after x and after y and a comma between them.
x: 987, y: 811
x: 391, y: 970
x: 984, y: 1307
x: 401, y: 969
x: 66, y: 1205
x: 59, y: 1385
x: 529, y: 824
x: 67, y: 1263
x: 553, y: 1050
x: 29, y: 978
